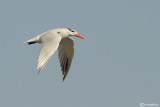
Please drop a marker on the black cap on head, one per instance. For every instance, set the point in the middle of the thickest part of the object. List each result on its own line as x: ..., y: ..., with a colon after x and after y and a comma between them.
x: 72, y: 30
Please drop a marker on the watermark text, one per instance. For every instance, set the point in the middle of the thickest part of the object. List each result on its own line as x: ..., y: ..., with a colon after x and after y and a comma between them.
x: 149, y: 104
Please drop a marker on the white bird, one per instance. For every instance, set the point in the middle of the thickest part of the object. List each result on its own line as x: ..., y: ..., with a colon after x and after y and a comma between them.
x: 53, y: 39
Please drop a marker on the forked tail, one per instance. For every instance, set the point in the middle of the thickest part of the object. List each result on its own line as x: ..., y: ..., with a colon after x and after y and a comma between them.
x: 33, y: 41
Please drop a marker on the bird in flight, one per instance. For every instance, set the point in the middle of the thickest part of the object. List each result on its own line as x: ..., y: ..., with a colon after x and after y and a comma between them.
x: 52, y: 40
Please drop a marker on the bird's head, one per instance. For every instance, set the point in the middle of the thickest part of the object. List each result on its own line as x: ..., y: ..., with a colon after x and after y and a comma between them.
x: 67, y: 32
x: 72, y: 32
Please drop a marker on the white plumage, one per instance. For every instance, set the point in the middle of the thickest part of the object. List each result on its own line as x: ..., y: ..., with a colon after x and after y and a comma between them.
x: 53, y: 39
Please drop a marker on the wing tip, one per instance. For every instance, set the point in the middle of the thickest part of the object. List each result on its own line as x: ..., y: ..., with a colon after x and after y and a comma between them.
x: 63, y: 79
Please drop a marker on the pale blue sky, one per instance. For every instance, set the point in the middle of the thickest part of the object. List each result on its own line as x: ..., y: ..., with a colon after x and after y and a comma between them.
x: 117, y: 65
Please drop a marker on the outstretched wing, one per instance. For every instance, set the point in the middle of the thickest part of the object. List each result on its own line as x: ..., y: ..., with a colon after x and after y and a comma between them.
x: 50, y: 43
x: 65, y: 53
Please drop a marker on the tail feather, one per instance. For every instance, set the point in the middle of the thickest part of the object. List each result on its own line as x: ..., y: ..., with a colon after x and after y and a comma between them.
x: 33, y: 41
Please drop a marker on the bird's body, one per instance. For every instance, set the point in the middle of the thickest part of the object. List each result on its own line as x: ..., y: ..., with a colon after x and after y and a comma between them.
x: 56, y: 39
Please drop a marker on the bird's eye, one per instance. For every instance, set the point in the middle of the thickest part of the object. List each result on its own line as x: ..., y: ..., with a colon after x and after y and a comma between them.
x: 70, y: 29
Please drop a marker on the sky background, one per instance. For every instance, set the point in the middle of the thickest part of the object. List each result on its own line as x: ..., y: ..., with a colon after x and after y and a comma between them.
x: 117, y: 65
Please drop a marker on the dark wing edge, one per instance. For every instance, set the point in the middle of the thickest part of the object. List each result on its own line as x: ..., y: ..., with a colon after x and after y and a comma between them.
x: 65, y: 53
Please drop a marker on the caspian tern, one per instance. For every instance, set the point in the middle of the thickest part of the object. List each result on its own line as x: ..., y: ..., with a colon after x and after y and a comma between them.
x: 53, y: 39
